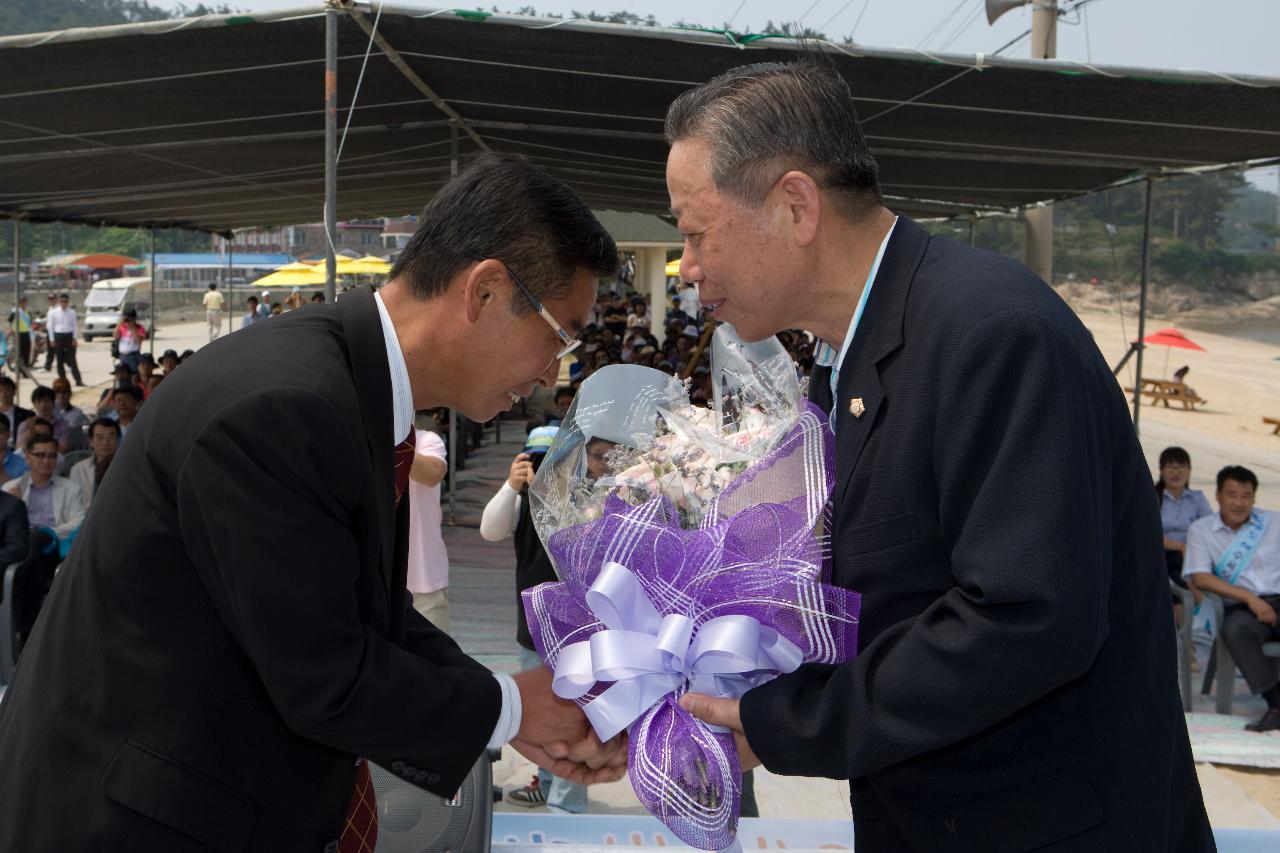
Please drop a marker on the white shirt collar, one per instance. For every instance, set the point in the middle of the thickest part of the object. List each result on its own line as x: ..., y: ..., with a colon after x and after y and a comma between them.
x: 401, y: 390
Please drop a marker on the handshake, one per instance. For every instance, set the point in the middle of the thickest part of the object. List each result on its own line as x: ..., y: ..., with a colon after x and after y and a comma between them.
x: 555, y: 735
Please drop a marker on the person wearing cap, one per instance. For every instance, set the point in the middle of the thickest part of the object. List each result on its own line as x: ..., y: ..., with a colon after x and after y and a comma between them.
x: 146, y: 369
x: 264, y: 305
x: 428, y: 571
x: 507, y: 515
x: 169, y: 360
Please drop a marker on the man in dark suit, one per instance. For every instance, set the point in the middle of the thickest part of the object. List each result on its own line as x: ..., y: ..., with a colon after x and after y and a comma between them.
x: 13, y: 414
x: 231, y: 635
x: 1015, y: 683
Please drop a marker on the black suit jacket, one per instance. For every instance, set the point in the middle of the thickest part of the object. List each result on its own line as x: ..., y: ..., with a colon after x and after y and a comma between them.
x: 232, y: 627
x: 1015, y: 685
x: 19, y: 415
x: 15, y: 534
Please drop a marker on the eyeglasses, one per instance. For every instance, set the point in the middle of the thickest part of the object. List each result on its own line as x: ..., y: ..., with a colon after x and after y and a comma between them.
x: 45, y: 455
x: 570, y: 342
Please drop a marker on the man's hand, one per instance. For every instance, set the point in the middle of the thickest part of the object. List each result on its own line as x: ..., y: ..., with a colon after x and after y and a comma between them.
x: 554, y: 734
x: 722, y: 712
x: 613, y: 755
x: 521, y: 472
x: 1265, y: 612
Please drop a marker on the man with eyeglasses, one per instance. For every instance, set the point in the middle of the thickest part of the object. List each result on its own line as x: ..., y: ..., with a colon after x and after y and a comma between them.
x: 266, y: 650
x: 55, y: 510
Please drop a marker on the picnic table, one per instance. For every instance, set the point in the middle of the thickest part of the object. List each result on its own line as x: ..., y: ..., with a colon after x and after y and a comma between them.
x: 1164, y: 390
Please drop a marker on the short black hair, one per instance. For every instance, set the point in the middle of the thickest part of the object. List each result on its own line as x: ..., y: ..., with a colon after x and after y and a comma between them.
x: 132, y: 390
x: 104, y: 422
x: 1240, y: 474
x: 41, y: 392
x: 39, y: 422
x: 252, y: 299
x: 503, y: 207
x: 39, y: 438
x: 563, y: 391
x: 213, y: 285
x: 8, y: 383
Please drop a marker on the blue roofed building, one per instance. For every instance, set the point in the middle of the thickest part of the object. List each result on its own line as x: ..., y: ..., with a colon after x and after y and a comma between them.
x: 197, y: 269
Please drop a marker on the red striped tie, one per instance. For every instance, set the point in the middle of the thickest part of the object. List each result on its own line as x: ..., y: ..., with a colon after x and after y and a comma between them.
x: 360, y: 832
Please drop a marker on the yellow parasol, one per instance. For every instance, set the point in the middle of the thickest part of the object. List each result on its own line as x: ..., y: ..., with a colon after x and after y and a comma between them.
x: 673, y: 267
x: 368, y: 265
x: 292, y: 275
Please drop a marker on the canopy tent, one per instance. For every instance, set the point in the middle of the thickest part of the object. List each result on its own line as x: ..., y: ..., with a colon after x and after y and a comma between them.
x: 217, y: 122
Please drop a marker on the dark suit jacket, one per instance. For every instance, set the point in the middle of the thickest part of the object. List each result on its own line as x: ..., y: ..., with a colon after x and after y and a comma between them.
x: 1015, y: 685
x: 15, y: 534
x: 232, y: 627
x: 19, y: 415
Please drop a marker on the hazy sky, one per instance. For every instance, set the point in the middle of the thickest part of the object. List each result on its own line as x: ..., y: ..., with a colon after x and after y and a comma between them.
x: 1227, y: 35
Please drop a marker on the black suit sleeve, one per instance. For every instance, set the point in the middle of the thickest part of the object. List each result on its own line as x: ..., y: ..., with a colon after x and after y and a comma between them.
x: 267, y: 497
x: 1021, y: 463
x: 17, y: 534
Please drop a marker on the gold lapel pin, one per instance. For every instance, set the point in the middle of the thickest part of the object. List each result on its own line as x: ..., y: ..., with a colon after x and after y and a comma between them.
x: 856, y: 407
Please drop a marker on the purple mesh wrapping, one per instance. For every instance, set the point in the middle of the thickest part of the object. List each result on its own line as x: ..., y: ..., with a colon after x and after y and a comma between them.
x: 760, y: 554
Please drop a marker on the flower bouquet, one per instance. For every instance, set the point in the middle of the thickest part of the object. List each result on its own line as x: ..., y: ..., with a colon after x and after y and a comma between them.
x: 690, y: 552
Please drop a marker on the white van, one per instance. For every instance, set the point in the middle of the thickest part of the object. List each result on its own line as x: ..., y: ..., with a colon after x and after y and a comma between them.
x: 107, y: 301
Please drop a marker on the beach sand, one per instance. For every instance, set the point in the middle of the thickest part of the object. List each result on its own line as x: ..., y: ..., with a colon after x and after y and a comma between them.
x: 1239, y: 378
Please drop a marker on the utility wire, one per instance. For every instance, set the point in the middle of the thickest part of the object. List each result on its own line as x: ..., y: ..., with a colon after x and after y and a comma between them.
x: 938, y: 26
x: 735, y: 13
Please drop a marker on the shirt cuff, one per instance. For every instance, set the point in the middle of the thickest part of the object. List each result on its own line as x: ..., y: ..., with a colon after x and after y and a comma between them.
x: 509, y: 719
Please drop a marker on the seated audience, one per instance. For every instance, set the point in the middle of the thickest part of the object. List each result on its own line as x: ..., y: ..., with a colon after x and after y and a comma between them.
x: 104, y: 439
x: 1236, y: 554
x: 42, y: 405
x: 14, y: 465
x: 1179, y: 507
x: 126, y: 399
x: 55, y: 511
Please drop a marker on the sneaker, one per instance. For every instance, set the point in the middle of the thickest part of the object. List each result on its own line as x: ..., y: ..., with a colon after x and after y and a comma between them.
x: 1269, y: 721
x: 530, y: 796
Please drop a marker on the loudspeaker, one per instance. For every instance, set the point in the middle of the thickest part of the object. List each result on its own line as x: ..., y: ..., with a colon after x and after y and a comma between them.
x: 411, y: 820
x: 996, y: 8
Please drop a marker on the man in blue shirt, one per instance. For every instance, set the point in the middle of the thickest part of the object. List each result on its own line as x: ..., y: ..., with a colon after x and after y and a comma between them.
x: 14, y: 465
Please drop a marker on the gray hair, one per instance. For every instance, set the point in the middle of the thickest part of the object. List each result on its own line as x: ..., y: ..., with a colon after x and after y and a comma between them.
x: 769, y: 118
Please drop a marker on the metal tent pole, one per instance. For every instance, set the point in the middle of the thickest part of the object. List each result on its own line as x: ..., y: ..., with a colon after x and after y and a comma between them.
x: 1142, y: 302
x: 231, y: 288
x: 330, y: 150
x: 151, y: 333
x: 17, y: 373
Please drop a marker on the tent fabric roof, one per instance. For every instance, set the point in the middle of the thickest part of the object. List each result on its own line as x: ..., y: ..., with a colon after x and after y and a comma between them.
x: 217, y: 122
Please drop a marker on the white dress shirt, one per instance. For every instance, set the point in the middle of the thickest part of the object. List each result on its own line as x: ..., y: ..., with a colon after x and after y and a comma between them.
x: 402, y: 419
x: 62, y: 321
x: 1209, y: 538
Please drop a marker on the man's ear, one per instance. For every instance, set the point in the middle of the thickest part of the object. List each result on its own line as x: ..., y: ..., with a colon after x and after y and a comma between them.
x: 483, y: 287
x: 801, y: 203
